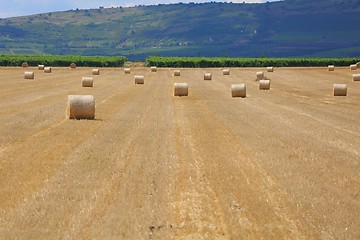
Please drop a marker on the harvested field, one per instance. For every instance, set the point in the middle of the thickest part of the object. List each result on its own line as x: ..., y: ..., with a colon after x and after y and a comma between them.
x: 278, y: 164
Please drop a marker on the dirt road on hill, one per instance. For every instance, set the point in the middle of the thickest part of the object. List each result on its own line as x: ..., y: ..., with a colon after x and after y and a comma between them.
x: 278, y: 164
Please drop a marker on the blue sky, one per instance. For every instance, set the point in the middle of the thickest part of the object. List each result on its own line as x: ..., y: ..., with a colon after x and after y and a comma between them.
x: 14, y: 8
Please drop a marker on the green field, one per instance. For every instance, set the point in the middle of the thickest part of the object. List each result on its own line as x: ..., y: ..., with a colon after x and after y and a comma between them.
x: 200, y: 62
x: 61, y: 60
x: 179, y: 62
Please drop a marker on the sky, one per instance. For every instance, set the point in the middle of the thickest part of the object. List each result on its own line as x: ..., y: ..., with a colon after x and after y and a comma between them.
x: 15, y: 8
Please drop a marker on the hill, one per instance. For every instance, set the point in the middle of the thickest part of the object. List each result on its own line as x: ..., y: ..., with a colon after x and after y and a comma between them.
x: 290, y: 28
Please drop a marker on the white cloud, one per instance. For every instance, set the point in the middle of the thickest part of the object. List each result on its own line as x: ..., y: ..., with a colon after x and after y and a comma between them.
x: 27, y: 7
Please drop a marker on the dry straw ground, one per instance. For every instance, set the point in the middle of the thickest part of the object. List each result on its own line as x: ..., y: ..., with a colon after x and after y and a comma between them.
x: 278, y: 164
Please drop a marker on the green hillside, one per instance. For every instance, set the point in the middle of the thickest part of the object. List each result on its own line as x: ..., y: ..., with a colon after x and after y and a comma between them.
x: 291, y: 28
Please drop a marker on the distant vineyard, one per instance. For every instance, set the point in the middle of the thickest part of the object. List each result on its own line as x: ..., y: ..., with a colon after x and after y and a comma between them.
x: 62, y: 60
x: 200, y: 62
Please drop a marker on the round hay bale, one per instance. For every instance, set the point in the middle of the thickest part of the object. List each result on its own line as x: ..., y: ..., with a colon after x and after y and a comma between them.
x: 181, y: 89
x: 353, y: 67
x: 81, y: 107
x: 226, y: 72
x: 260, y: 76
x: 29, y: 75
x: 95, y: 71
x: 47, y: 70
x: 238, y: 90
x: 331, y: 68
x: 264, y: 84
x: 87, y: 82
x: 340, y: 89
x: 24, y: 65
x: 207, y: 76
x: 139, y: 79
x: 176, y: 73
x: 127, y: 70
x: 153, y: 69
x: 41, y: 67
x: 270, y: 69
x: 356, y: 77
x: 72, y: 65
x: 358, y: 64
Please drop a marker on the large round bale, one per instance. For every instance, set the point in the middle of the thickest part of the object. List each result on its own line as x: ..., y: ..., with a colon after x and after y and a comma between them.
x: 340, y: 89
x: 238, y: 90
x: 176, y: 73
x: 331, y: 68
x: 270, y: 69
x: 24, y: 65
x: 29, y: 75
x: 127, y: 70
x: 356, y: 77
x: 264, y: 84
x: 207, y: 76
x: 353, y: 67
x: 95, y: 71
x: 226, y: 71
x: 153, y: 69
x: 260, y: 76
x: 41, y: 67
x: 47, y: 70
x: 72, y: 65
x: 181, y: 89
x: 358, y: 65
x: 87, y: 82
x: 139, y: 79
x: 81, y: 107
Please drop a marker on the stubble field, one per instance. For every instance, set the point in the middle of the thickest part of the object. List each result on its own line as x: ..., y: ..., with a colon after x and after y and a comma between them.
x: 283, y: 163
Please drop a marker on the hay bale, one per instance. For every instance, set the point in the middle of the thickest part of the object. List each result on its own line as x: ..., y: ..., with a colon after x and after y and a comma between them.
x: 127, y: 70
x: 87, y: 82
x: 153, y: 69
x: 139, y: 79
x: 238, y: 90
x: 340, y: 89
x: 358, y: 65
x: 181, y: 89
x: 176, y: 73
x: 331, y: 68
x: 260, y: 76
x: 24, y: 65
x: 226, y: 72
x: 29, y: 75
x: 41, y: 67
x: 356, y: 77
x: 47, y: 70
x: 207, y: 76
x: 353, y: 67
x: 270, y: 69
x: 72, y: 65
x: 95, y: 71
x: 264, y: 84
x: 81, y: 107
